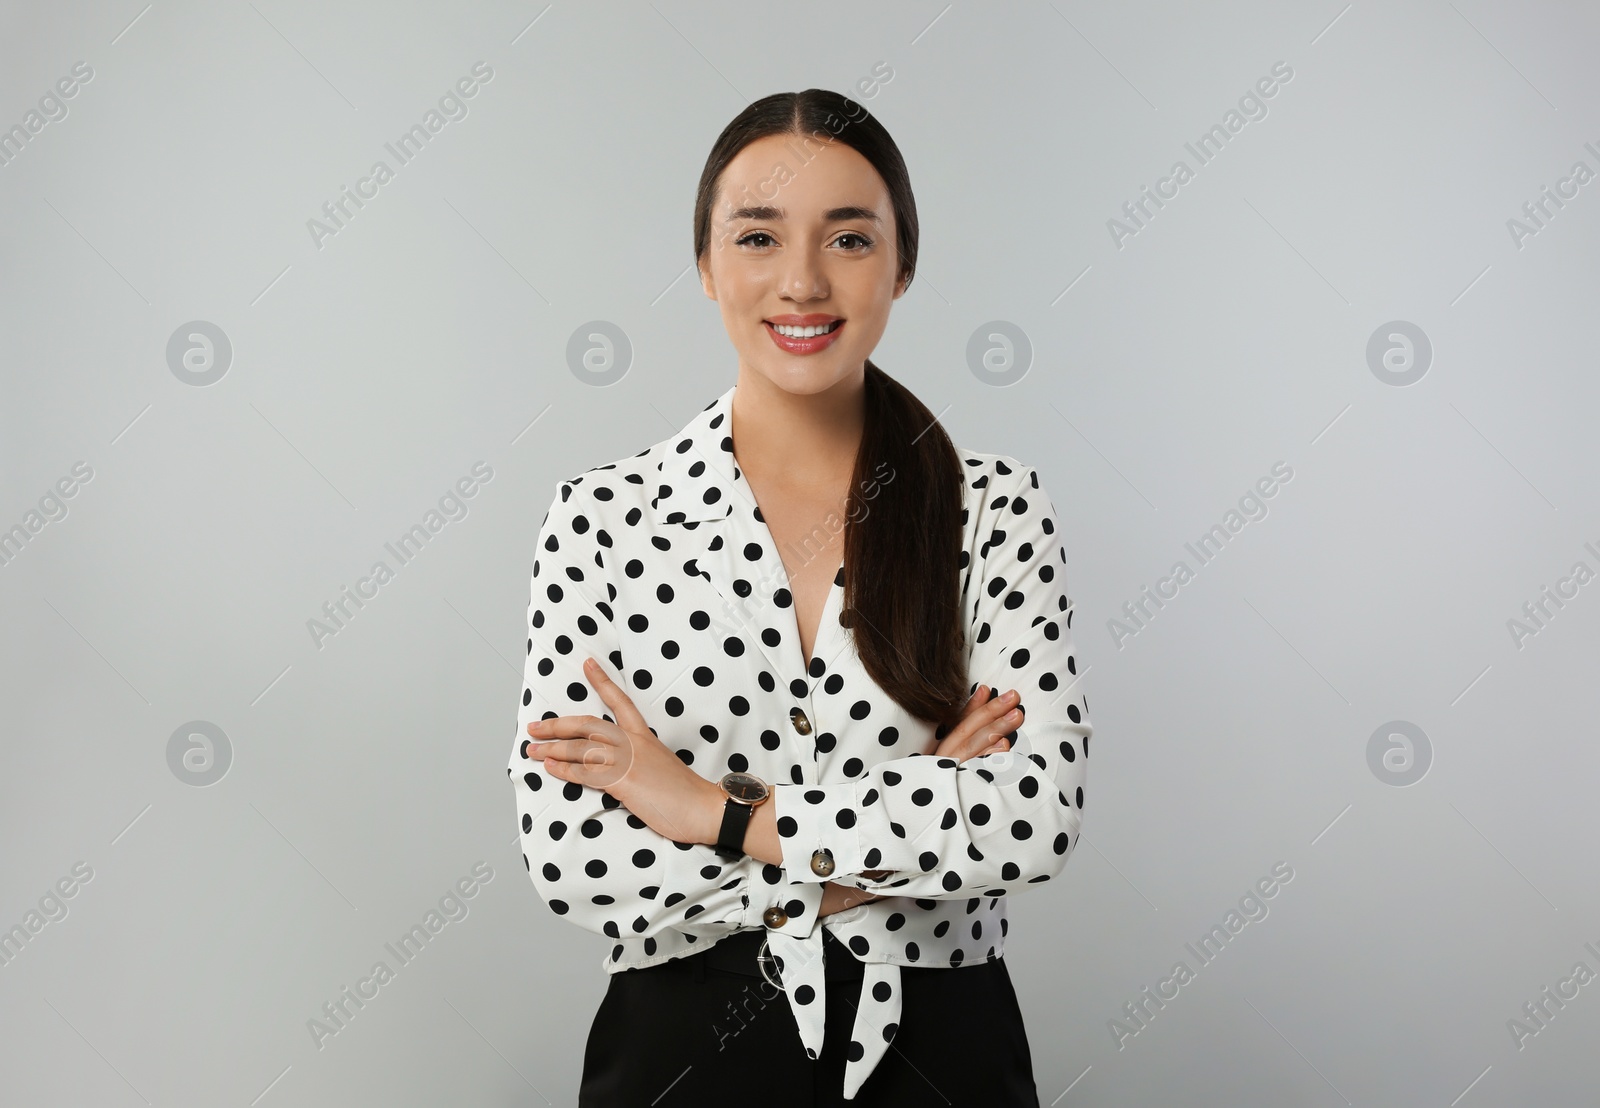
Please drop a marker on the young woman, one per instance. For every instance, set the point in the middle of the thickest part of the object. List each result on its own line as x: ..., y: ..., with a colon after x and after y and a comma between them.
x: 762, y: 744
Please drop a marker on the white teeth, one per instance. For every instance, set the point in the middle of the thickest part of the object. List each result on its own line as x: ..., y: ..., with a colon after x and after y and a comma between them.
x: 804, y: 332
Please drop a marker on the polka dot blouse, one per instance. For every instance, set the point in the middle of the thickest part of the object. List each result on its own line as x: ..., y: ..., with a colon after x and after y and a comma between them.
x: 661, y: 567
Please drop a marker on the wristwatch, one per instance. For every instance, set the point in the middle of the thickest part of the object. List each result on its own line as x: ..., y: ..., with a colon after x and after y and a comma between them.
x: 744, y: 792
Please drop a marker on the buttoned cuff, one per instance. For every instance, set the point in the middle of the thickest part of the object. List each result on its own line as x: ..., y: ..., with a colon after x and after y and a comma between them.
x: 776, y: 904
x: 817, y: 831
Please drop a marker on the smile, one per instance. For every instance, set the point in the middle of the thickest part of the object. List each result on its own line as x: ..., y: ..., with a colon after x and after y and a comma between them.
x: 804, y: 340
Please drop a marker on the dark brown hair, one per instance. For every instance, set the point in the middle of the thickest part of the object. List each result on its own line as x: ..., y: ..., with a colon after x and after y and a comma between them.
x: 902, y: 541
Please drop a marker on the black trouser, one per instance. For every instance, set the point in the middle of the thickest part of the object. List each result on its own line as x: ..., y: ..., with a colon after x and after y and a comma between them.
x: 708, y: 1029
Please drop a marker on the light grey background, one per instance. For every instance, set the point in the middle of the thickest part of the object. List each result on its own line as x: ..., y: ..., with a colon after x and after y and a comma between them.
x: 1168, y: 374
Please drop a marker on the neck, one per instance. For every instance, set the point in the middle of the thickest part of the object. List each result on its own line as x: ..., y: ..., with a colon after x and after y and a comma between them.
x: 806, y: 440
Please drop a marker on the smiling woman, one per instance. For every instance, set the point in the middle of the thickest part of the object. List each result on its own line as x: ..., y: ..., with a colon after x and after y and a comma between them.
x: 754, y: 748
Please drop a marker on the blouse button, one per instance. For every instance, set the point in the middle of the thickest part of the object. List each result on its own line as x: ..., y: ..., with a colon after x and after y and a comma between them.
x: 775, y: 917
x: 822, y: 862
x: 801, y: 723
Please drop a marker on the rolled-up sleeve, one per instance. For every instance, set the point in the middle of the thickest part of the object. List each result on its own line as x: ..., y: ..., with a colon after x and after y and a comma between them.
x: 945, y: 829
x: 594, y: 862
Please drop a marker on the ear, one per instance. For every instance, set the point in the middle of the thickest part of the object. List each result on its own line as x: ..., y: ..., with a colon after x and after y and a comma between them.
x: 707, y: 284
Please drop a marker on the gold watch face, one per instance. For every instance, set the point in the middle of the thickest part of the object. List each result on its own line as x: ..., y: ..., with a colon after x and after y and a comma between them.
x: 745, y: 787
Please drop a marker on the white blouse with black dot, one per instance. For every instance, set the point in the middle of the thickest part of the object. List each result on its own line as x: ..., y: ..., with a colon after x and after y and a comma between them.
x: 661, y: 567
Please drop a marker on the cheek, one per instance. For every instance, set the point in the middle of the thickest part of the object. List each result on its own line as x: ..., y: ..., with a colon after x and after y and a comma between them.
x: 741, y: 311
x: 867, y: 330
x: 740, y: 286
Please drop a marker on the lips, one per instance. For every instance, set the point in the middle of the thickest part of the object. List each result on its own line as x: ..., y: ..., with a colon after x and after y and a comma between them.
x: 813, y: 345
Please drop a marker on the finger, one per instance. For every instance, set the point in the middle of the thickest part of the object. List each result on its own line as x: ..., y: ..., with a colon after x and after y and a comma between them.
x: 1004, y: 702
x: 978, y: 730
x: 972, y: 705
x: 1005, y: 719
x: 563, y: 750
x: 592, y: 764
x: 619, y: 702
x: 566, y: 727
x: 994, y: 747
x: 969, y: 746
x: 993, y: 706
x: 576, y: 772
x: 986, y: 737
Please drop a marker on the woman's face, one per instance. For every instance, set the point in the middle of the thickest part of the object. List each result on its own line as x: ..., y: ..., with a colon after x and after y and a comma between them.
x: 780, y: 247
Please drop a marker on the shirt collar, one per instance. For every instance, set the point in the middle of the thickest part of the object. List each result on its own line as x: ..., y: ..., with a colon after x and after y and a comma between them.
x: 701, y: 490
x: 699, y: 479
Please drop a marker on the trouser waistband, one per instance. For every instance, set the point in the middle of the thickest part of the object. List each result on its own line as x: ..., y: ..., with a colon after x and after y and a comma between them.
x: 736, y: 953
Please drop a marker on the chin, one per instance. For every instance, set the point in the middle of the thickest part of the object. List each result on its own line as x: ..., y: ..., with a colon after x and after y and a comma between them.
x: 801, y: 378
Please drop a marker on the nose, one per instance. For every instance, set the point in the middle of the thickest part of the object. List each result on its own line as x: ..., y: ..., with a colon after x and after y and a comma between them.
x: 804, y: 280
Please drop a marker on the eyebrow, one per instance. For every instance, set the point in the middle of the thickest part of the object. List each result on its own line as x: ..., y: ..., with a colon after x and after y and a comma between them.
x: 769, y: 214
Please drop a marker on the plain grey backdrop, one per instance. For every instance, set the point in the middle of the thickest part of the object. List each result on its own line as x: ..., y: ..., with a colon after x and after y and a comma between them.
x: 222, y: 405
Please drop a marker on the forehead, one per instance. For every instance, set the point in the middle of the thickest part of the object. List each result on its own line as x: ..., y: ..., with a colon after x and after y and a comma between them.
x: 803, y: 175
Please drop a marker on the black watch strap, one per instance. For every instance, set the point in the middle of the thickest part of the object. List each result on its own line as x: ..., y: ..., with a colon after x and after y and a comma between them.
x: 735, y: 822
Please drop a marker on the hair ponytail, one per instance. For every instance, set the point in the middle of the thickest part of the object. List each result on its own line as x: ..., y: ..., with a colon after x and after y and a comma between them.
x: 902, y: 554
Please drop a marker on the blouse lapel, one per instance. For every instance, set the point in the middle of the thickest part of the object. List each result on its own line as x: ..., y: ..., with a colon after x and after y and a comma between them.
x: 711, y: 514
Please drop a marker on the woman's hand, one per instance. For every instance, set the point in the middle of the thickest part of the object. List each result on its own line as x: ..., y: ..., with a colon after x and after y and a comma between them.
x: 983, y: 726
x: 627, y: 760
